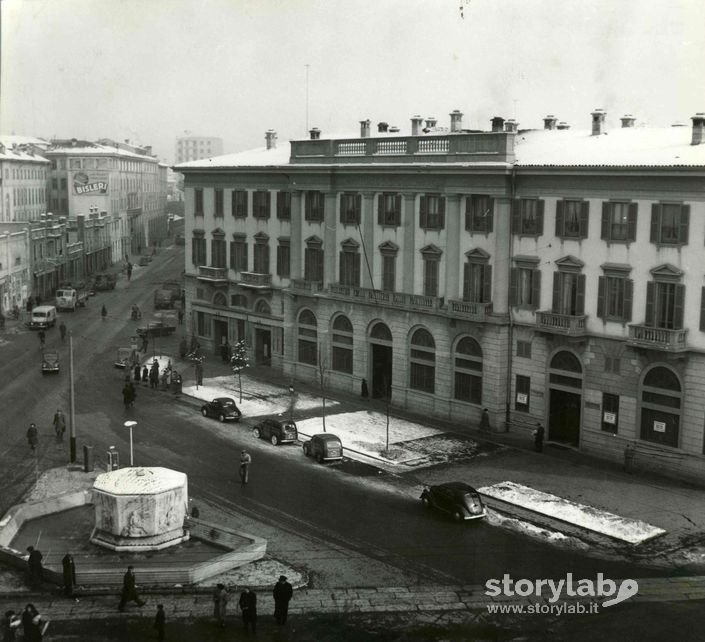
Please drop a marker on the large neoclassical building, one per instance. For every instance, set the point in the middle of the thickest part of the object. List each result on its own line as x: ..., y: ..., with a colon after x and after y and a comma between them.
x: 552, y: 275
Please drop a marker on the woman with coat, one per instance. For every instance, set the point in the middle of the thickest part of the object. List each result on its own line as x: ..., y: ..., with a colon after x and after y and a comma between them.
x: 31, y: 624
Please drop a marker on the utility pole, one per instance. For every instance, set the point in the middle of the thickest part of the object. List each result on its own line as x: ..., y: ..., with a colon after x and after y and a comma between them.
x: 72, y: 410
x: 306, y: 132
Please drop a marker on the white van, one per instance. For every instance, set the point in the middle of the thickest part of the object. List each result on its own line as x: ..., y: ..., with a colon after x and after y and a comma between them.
x: 43, y: 316
x: 66, y: 299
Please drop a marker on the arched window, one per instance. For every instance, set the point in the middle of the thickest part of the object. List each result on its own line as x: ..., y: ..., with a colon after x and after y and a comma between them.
x: 382, y: 332
x: 661, y: 401
x: 422, y: 359
x: 468, y: 371
x: 308, y: 338
x: 262, y: 307
x: 342, y: 345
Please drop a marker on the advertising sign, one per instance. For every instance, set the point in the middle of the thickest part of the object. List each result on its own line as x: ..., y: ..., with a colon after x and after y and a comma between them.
x: 90, y: 183
x: 659, y: 426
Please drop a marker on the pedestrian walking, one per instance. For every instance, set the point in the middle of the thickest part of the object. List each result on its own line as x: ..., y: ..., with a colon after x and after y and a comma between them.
x: 69, y: 574
x: 62, y: 330
x: 32, y: 624
x: 104, y: 312
x: 245, y: 461
x: 485, y: 420
x: 248, y: 608
x: 145, y: 343
x: 129, y: 271
x: 160, y: 622
x: 283, y: 591
x: 42, y: 338
x: 59, y: 424
x: 199, y: 373
x: 34, y: 565
x: 30, y: 304
x: 138, y: 372
x: 225, y: 352
x: 129, y: 590
x: 10, y: 623
x: 154, y: 375
x: 538, y: 438
x: 32, y: 437
x: 220, y: 604
x: 145, y: 374
x: 364, y: 390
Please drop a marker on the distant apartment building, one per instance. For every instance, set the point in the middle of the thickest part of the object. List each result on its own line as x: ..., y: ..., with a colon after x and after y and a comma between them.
x: 550, y: 275
x: 189, y: 148
x: 23, y: 182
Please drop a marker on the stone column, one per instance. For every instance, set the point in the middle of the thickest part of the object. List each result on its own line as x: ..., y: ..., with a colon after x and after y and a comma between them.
x: 409, y: 257
x: 501, y: 255
x: 453, y: 260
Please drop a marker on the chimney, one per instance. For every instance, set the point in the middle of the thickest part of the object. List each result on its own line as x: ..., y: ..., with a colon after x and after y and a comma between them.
x: 430, y: 122
x: 627, y: 121
x: 511, y: 125
x: 148, y: 150
x: 416, y: 122
x: 456, y: 121
x: 550, y: 122
x: 563, y: 125
x: 698, y: 128
x: 393, y: 129
x: 382, y: 127
x: 365, y: 128
x: 74, y: 142
x: 497, y: 124
x: 271, y: 137
x: 315, y: 133
x: 598, y: 122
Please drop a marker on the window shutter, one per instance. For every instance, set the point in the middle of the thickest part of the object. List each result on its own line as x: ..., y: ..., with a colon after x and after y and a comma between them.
x: 194, y: 252
x: 245, y: 257
x: 601, y: 283
x: 514, y: 286
x: 559, y: 218
x: 539, y: 216
x: 702, y: 309
x: 489, y: 219
x: 342, y: 277
x: 683, y: 227
x: 536, y: 288
x: 655, y: 220
x: 486, y: 284
x: 555, y: 305
x: 342, y: 207
x: 356, y: 267
x: 650, y: 301
x: 631, y: 221
x: 358, y: 208
x: 605, y: 227
x: 516, y: 216
x: 268, y: 203
x: 580, y: 298
x: 628, y: 298
x: 466, y: 281
x: 468, y: 214
x: 307, y: 207
x: 423, y: 211
x: 380, y: 209
x: 584, y: 218
x: 442, y: 213
x: 678, y: 307
x: 397, y: 210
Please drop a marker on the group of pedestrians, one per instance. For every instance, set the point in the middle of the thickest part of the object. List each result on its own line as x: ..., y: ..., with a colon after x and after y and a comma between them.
x: 59, y: 424
x: 33, y: 625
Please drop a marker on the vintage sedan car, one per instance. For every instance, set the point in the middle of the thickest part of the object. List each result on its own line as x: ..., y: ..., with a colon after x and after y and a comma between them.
x: 127, y: 358
x: 50, y: 361
x: 278, y: 432
x: 222, y: 408
x: 457, y: 499
x: 324, y: 447
x: 157, y: 328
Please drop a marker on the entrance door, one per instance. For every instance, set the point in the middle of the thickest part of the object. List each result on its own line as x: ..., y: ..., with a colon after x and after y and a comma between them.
x: 381, y: 371
x: 263, y: 347
x: 220, y: 335
x: 564, y: 419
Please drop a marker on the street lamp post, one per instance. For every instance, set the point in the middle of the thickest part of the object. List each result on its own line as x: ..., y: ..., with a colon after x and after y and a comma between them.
x: 130, y: 424
x: 291, y: 403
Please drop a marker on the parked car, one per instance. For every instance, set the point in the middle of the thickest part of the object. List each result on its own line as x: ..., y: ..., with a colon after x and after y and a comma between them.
x: 278, y: 432
x: 457, y: 499
x: 50, y: 361
x: 43, y: 316
x: 222, y: 408
x: 144, y: 260
x: 157, y: 328
x: 324, y: 447
x: 104, y: 282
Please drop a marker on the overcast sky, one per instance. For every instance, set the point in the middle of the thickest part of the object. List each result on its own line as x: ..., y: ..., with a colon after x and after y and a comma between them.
x: 151, y: 70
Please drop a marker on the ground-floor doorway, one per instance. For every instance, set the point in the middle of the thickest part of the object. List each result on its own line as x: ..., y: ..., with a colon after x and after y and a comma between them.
x: 220, y: 335
x: 263, y: 347
x: 564, y: 417
x: 381, y: 371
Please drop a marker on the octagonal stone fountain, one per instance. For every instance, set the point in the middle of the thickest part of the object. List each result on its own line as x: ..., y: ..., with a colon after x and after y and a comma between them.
x: 140, y: 509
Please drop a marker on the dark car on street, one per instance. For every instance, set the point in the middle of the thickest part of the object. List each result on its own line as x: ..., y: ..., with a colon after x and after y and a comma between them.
x: 50, y: 361
x: 278, y: 432
x: 222, y: 408
x: 157, y: 328
x: 457, y: 499
x: 104, y: 282
x: 324, y: 447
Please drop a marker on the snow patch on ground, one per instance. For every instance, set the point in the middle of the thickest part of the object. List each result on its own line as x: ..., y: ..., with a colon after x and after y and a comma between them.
x: 621, y: 528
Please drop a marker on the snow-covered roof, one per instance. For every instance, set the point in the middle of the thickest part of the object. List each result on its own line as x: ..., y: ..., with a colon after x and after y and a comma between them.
x: 260, y: 157
x: 18, y: 156
x: 12, y: 139
x: 623, y: 147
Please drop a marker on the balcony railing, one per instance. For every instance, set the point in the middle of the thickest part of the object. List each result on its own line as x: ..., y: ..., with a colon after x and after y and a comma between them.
x: 311, y: 287
x: 642, y: 336
x: 395, y: 299
x: 255, y: 280
x: 469, y: 309
x: 212, y: 274
x: 572, y: 326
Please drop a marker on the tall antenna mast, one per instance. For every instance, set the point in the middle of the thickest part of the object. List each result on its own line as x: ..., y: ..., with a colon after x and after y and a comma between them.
x: 307, y: 66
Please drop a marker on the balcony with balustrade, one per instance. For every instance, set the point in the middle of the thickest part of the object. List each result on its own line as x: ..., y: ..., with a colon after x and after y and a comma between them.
x: 255, y: 280
x: 400, y: 300
x: 661, y: 339
x: 469, y: 310
x: 214, y: 275
x: 563, y: 324
x: 302, y: 286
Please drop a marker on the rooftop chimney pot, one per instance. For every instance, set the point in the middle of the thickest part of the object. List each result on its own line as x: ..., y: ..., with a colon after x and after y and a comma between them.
x: 456, y: 121
x: 563, y: 125
x: 416, y: 122
x: 270, y: 136
x: 627, y: 120
x: 431, y: 122
x: 365, y: 128
x: 511, y: 125
x: 315, y: 133
x: 698, y: 128
x: 598, y: 122
x: 550, y: 122
x: 382, y: 127
x: 497, y: 124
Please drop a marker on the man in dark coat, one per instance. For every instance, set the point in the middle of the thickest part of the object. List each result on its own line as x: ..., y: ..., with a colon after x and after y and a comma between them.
x: 282, y: 592
x: 129, y: 590
x: 59, y: 424
x: 145, y: 374
x: 137, y: 372
x: 199, y: 373
x: 34, y: 563
x: 248, y: 607
x: 160, y: 621
x: 32, y: 437
x: 154, y: 375
x: 69, y: 573
x: 538, y: 438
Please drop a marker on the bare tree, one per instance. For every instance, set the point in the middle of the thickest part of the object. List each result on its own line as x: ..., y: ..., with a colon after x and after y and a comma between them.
x: 239, y: 361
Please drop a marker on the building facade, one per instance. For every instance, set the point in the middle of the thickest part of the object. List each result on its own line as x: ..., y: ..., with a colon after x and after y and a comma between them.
x: 189, y: 148
x: 551, y: 275
x: 23, y: 183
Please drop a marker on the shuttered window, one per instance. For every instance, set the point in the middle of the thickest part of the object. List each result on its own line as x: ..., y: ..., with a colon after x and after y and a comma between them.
x: 669, y: 223
x: 572, y: 219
